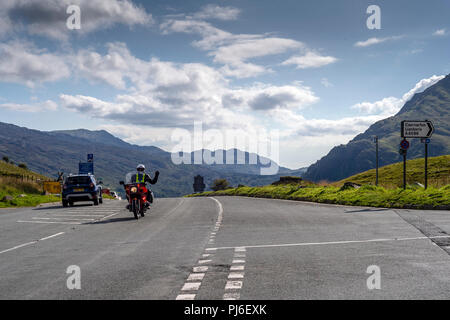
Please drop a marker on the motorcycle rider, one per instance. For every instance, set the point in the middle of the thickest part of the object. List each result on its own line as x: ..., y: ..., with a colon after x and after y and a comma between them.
x: 142, y: 177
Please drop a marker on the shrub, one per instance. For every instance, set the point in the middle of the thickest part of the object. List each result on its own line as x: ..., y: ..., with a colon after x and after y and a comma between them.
x: 220, y: 184
x: 6, y: 159
x: 23, y: 166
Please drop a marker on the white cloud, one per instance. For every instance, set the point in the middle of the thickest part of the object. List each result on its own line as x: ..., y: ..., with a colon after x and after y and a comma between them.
x: 373, y: 41
x: 217, y: 12
x: 23, y: 63
x: 310, y: 60
x: 440, y: 32
x: 36, y: 107
x: 48, y: 17
x: 236, y: 51
x: 391, y: 105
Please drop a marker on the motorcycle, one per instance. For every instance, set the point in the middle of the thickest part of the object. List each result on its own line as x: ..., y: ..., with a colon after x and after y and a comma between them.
x: 136, y: 194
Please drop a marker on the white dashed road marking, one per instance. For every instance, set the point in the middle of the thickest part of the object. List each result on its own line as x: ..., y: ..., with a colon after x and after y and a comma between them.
x: 31, y: 242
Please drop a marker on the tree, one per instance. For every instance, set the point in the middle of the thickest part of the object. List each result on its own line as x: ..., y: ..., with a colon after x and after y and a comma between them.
x: 23, y: 166
x: 6, y: 159
x: 220, y: 184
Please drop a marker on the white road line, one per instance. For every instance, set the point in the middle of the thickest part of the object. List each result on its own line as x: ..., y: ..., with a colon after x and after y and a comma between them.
x: 196, y: 277
x: 52, y: 222
x: 191, y: 286
x: 185, y: 297
x: 237, y: 268
x: 231, y: 296
x: 111, y: 215
x: 19, y: 246
x: 78, y: 215
x: 233, y: 285
x: 239, y: 255
x: 200, y: 269
x: 204, y: 261
x: 330, y: 243
x: 52, y: 236
x: 220, y: 206
x: 80, y: 219
x: 236, y: 275
x: 236, y: 261
x: 31, y: 242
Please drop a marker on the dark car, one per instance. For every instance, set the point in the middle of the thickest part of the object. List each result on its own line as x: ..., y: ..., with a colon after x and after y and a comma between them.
x: 81, y: 187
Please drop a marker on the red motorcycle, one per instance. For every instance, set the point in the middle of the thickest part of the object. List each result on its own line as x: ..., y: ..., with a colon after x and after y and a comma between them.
x: 137, y: 197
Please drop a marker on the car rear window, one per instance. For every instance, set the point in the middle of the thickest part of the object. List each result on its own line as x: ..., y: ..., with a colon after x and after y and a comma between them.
x: 78, y: 180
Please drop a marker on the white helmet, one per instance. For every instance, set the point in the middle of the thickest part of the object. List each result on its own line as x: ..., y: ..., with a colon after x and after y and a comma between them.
x: 140, y: 167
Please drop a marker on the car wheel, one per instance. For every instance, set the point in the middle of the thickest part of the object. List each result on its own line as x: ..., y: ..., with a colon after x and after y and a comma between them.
x: 65, y: 203
x: 71, y: 203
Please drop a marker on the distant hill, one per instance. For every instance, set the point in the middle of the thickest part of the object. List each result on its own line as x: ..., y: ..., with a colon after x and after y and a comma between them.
x: 359, y: 154
x: 392, y: 175
x: 49, y: 152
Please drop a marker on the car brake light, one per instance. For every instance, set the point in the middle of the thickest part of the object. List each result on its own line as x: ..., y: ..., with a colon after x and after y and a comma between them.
x: 91, y: 185
x: 65, y: 186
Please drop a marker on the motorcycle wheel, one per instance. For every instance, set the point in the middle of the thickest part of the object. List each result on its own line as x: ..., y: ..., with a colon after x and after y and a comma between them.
x: 135, y: 206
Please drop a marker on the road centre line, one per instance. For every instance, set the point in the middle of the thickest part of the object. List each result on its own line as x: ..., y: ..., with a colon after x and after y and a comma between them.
x: 81, y: 219
x: 52, y: 222
x: 327, y: 243
x: 31, y: 242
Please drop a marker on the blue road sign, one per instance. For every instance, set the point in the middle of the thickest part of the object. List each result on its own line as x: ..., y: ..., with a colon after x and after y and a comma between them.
x: 404, y: 144
x: 425, y: 140
x: 90, y: 157
x: 86, y: 167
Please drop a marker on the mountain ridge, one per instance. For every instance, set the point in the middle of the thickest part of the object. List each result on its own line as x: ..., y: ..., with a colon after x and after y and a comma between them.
x: 358, y: 155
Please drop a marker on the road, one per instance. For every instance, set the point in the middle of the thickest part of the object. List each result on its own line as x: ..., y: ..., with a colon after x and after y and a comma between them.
x: 224, y: 248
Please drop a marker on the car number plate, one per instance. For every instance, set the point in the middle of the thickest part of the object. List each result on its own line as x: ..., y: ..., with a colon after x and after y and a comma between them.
x: 78, y: 190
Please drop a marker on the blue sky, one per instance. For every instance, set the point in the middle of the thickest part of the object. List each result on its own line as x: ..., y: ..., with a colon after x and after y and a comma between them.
x: 142, y: 69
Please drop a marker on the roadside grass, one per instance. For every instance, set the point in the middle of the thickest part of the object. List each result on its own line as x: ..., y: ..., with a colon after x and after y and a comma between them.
x: 388, y: 194
x: 24, y: 194
x: 391, y: 176
x: 371, y: 196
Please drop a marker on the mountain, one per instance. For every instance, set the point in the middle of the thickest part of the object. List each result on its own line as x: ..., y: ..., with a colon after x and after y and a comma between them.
x: 50, y: 152
x: 359, y: 154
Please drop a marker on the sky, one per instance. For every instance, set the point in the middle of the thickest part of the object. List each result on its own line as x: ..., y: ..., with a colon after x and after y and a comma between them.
x: 316, y: 72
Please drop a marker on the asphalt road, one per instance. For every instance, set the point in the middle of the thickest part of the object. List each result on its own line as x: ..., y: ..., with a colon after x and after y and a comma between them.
x: 224, y: 248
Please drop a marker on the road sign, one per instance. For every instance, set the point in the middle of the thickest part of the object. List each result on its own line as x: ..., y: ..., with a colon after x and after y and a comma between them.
x: 425, y: 140
x: 417, y: 129
x: 404, y: 144
x: 86, y: 167
x: 90, y: 157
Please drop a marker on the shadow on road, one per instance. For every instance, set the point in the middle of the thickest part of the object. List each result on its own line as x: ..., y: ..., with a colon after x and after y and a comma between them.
x: 367, y: 210
x: 114, y: 220
x: 62, y: 208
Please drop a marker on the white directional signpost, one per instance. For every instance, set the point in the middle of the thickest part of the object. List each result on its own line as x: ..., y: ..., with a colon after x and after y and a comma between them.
x: 415, y: 129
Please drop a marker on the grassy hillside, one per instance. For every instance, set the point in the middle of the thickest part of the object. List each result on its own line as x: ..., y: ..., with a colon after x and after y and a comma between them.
x: 359, y: 154
x: 387, y: 195
x: 391, y: 176
x: 26, y: 193
x: 12, y: 169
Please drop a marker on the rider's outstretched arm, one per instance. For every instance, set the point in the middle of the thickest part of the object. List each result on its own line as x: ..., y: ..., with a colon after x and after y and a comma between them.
x: 155, y: 179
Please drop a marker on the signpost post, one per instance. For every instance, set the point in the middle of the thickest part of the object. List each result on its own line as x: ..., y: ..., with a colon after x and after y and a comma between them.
x: 404, y: 145
x: 375, y: 139
x: 416, y: 129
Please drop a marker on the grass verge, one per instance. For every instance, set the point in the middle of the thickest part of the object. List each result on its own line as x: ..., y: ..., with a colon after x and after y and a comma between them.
x: 368, y: 195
